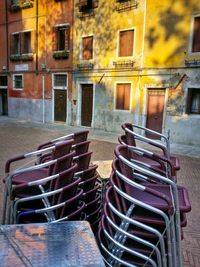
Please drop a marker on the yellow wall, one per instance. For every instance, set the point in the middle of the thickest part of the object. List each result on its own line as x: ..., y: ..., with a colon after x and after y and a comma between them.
x: 167, y: 32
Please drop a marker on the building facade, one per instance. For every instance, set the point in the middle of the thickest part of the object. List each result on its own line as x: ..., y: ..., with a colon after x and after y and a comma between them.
x: 36, y: 59
x: 100, y: 63
x: 138, y: 61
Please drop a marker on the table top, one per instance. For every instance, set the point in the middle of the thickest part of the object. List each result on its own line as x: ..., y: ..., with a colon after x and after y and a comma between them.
x: 67, y: 244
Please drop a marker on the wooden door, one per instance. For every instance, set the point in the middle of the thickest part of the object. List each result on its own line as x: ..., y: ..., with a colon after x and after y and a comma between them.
x: 86, y: 104
x: 4, y: 102
x: 60, y: 105
x: 155, y: 108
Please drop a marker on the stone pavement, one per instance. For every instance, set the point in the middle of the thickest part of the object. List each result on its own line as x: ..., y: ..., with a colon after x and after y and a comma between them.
x: 19, y: 137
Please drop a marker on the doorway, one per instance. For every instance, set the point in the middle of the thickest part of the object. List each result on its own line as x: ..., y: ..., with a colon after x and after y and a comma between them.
x: 86, y: 104
x: 60, y: 105
x: 60, y: 96
x: 155, y: 109
x: 3, y: 95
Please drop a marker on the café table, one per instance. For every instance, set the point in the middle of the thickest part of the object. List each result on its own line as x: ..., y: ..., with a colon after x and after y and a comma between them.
x: 66, y: 244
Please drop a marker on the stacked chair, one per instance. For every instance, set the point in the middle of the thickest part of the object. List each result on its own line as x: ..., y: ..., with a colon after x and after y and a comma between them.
x: 144, y: 209
x: 58, y: 183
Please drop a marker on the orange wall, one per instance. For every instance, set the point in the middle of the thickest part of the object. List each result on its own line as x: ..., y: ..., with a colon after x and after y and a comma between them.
x: 50, y: 13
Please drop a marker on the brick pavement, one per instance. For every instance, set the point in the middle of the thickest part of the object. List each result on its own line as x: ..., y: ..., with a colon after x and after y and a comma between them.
x: 21, y: 137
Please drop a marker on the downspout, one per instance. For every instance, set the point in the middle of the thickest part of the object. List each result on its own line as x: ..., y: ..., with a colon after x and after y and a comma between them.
x: 36, y: 61
x: 7, y: 53
x: 142, y: 65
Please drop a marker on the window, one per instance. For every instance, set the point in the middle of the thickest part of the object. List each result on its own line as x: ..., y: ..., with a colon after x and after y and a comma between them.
x: 196, y: 35
x: 126, y: 39
x: 193, y: 101
x: 87, y: 47
x: 21, y: 46
x: 18, y: 81
x: 62, y: 35
x: 60, y: 80
x: 86, y: 5
x: 123, y: 96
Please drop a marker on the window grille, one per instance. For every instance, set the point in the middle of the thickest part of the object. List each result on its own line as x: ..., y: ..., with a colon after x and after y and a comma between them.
x: 60, y: 80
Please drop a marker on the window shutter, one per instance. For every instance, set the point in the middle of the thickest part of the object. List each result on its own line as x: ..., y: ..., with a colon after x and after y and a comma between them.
x: 126, y: 43
x: 87, y: 47
x: 123, y: 96
x: 94, y: 3
x: 189, y: 101
x: 120, y: 96
x: 67, y: 39
x: 21, y: 42
x: 196, y: 35
x: 127, y: 90
x: 12, y: 49
x: 54, y: 39
x: 33, y: 42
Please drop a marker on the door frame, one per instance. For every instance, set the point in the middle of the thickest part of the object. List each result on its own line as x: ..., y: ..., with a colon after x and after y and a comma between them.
x: 53, y: 95
x: 145, y: 101
x: 80, y: 102
x: 5, y: 88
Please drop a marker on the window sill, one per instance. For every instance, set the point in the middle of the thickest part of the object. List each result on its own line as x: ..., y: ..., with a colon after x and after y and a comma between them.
x: 61, y: 54
x: 23, y: 57
x: 122, y: 110
x: 18, y: 89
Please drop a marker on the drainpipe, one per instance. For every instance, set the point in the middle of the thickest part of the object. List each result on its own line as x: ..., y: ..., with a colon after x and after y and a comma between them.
x: 36, y: 62
x: 7, y: 53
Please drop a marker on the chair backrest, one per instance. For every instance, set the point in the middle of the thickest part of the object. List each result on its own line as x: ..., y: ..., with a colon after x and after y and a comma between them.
x: 65, y: 178
x: 81, y: 148
x: 91, y: 194
x: 89, y: 183
x: 80, y: 136
x: 129, y: 137
x: 88, y: 173
x: 122, y: 150
x: 62, y: 148
x: 83, y: 161
x: 67, y: 192
x: 71, y: 204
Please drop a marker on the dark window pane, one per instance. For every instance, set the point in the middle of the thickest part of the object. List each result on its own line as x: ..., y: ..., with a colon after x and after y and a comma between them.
x: 196, y: 35
x: 193, y: 101
x: 26, y: 43
x: 61, y: 39
x: 18, y: 81
x: 60, y: 80
x: 16, y: 43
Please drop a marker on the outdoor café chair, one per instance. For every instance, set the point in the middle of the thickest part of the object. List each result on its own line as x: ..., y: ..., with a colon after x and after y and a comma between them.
x: 131, y: 138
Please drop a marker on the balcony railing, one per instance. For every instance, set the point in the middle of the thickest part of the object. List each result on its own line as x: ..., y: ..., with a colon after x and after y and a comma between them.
x: 125, y: 64
x: 192, y: 63
x: 124, y: 5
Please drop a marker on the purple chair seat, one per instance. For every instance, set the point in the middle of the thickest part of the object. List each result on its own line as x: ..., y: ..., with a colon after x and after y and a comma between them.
x: 30, y: 176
